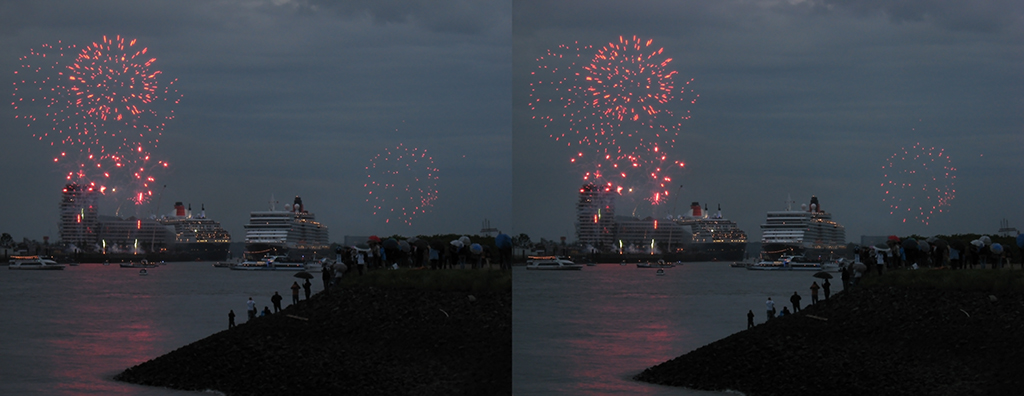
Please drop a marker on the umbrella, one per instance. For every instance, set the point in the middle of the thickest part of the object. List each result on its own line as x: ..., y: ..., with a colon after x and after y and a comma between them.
x: 1020, y: 240
x: 476, y: 248
x: 986, y: 240
x: 957, y: 244
x: 304, y: 275
x: 374, y: 238
x: 403, y: 245
x: 881, y: 246
x: 457, y: 243
x: 860, y: 267
x: 923, y: 246
x: 340, y: 267
x: 391, y: 244
x: 996, y: 248
x: 437, y: 244
x: 909, y: 245
x: 894, y: 238
x: 823, y: 275
x: 977, y: 243
x: 465, y: 240
x: 503, y: 241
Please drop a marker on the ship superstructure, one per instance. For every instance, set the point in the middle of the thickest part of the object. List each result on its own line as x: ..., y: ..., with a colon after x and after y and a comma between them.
x: 810, y: 232
x: 291, y: 232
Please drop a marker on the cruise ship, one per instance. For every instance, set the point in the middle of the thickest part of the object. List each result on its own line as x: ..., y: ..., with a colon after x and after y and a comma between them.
x: 196, y: 237
x: 810, y: 232
x: 713, y: 236
x: 292, y: 232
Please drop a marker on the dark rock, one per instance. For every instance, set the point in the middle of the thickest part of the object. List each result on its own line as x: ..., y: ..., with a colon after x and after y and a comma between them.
x: 876, y: 341
x: 356, y: 341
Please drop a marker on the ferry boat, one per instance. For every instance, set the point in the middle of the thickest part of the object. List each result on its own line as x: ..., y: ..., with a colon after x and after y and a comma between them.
x: 658, y: 264
x: 808, y: 232
x: 551, y: 263
x: 292, y: 232
x: 33, y: 263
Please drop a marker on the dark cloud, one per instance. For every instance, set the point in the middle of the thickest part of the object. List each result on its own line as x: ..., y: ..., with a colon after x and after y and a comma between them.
x: 457, y: 16
x: 982, y: 16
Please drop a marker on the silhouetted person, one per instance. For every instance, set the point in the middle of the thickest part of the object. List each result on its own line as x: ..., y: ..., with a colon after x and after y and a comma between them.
x: 266, y: 311
x: 308, y: 287
x: 825, y: 287
x: 325, y: 274
x: 770, y: 305
x: 276, y: 299
x: 750, y: 318
x: 295, y: 292
x: 814, y: 293
x: 231, y: 318
x: 796, y: 302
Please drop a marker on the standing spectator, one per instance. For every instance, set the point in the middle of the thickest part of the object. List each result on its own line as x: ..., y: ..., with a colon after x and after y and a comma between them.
x: 251, y: 305
x: 325, y: 274
x: 825, y: 286
x: 750, y: 319
x: 276, y: 300
x: 814, y: 293
x: 231, y: 318
x: 770, y: 305
x: 795, y: 299
x: 295, y: 292
x: 307, y: 286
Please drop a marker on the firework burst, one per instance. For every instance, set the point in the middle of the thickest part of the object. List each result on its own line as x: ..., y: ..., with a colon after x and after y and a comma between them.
x: 918, y: 183
x: 618, y: 104
x: 402, y: 183
x: 102, y: 107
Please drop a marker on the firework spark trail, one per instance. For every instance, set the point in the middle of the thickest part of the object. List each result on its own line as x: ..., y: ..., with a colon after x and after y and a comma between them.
x: 402, y: 183
x: 102, y: 105
x: 918, y: 183
x: 617, y: 102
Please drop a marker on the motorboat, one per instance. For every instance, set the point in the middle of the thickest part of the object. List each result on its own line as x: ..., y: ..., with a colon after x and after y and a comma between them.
x: 786, y: 263
x: 660, y: 272
x: 143, y: 272
x: 33, y: 263
x: 551, y: 263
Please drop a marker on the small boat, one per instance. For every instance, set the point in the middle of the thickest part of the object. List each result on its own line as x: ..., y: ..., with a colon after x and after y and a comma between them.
x: 660, y: 272
x: 33, y: 263
x: 143, y: 272
x: 659, y: 264
x: 142, y: 264
x: 551, y: 263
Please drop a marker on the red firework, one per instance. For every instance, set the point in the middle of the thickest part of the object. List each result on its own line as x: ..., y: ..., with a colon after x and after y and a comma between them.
x: 918, y: 183
x: 104, y: 105
x: 619, y: 104
x: 402, y: 183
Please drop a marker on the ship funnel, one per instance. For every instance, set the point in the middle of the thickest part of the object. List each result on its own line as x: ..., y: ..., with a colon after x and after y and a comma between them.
x: 815, y: 206
x: 298, y: 204
x: 695, y: 209
x: 179, y: 209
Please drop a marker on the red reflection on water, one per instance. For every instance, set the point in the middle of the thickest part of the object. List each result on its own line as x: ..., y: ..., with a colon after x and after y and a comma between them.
x: 621, y: 340
x: 102, y: 335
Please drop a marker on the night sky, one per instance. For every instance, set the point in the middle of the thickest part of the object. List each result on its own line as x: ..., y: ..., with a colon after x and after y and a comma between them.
x: 799, y: 98
x: 283, y: 98
x: 796, y: 98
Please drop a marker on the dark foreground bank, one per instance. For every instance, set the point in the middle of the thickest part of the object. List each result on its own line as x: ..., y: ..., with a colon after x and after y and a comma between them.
x: 881, y: 340
x: 358, y: 340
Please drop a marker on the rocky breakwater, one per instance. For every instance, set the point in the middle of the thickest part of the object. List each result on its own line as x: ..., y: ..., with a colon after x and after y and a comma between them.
x: 880, y: 340
x: 353, y: 341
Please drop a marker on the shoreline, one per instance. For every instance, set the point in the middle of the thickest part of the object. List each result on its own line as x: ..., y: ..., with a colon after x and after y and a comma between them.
x: 357, y: 340
x: 878, y: 339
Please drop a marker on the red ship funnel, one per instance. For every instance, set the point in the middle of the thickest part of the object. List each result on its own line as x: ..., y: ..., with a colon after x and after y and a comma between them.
x: 695, y: 209
x: 179, y: 209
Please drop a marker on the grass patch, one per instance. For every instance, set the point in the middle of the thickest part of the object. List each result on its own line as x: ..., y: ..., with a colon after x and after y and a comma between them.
x: 944, y: 279
x: 441, y: 280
